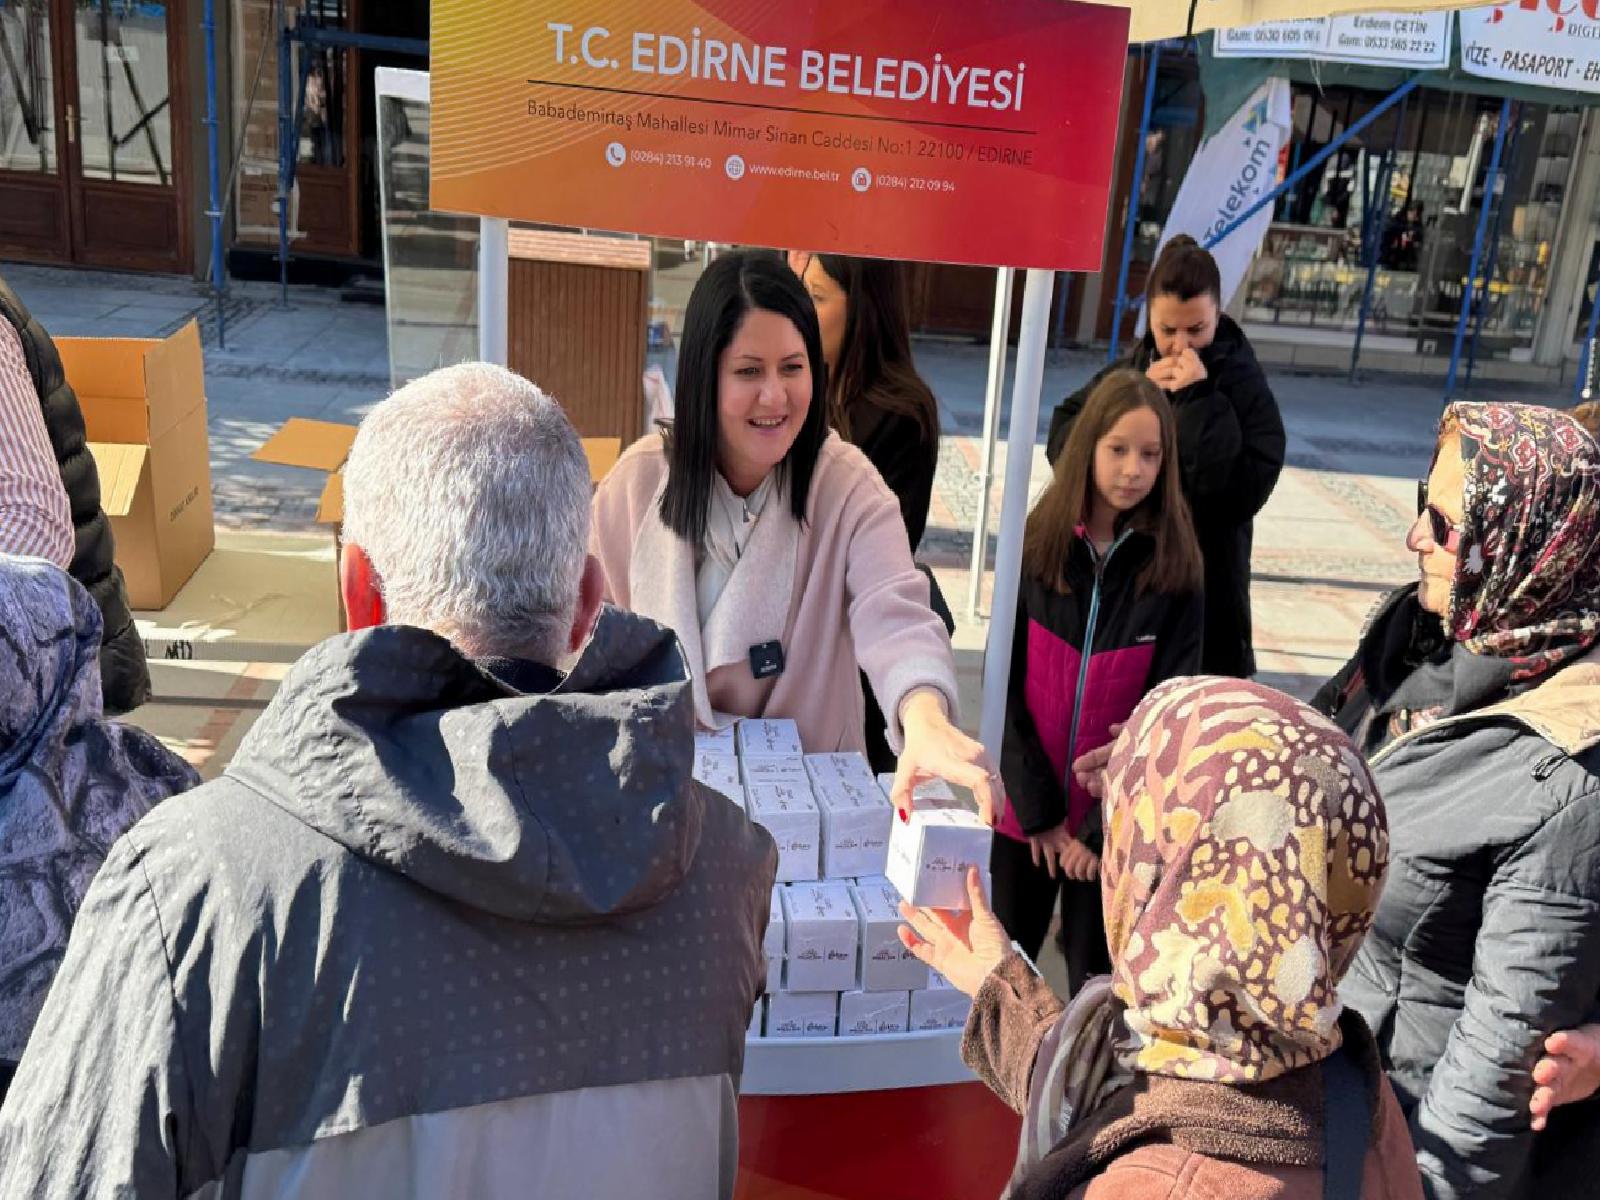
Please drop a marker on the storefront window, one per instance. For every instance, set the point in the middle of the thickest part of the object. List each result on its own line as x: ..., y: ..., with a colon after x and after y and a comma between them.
x: 1311, y: 271
x: 27, y: 106
x: 322, y: 105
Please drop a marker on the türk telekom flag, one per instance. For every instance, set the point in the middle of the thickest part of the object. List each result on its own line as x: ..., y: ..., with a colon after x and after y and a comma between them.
x: 1233, y: 169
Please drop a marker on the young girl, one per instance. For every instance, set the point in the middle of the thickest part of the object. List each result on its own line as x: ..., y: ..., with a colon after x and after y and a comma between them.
x: 1110, y: 607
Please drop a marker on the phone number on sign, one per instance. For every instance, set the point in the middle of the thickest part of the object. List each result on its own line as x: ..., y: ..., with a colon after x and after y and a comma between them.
x: 657, y: 159
x: 911, y: 183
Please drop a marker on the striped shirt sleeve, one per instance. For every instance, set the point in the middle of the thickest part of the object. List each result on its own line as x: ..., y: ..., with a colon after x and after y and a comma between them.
x: 35, y: 517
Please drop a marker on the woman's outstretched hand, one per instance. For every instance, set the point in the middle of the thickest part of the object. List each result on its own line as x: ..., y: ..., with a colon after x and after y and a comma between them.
x: 936, y: 749
x: 962, y: 946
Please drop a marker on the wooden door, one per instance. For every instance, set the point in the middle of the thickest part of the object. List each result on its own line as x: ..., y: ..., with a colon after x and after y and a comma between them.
x: 93, y: 141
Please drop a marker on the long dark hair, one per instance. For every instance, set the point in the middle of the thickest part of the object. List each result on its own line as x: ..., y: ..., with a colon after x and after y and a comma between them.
x: 1184, y: 269
x: 1053, y: 525
x: 731, y: 288
x: 875, y: 367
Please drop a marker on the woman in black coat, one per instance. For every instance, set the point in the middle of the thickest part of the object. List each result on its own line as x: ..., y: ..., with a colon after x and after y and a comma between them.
x: 877, y: 401
x: 1230, y: 434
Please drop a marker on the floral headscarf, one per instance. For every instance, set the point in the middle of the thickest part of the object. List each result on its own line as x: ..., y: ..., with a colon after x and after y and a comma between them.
x: 1246, y: 847
x: 1527, y: 585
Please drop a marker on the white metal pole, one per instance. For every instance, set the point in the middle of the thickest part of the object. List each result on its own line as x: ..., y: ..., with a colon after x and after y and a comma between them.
x: 494, y: 273
x: 1005, y: 279
x: 1023, y: 432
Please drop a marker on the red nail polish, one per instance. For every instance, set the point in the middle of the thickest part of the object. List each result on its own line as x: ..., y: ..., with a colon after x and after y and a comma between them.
x: 905, y: 818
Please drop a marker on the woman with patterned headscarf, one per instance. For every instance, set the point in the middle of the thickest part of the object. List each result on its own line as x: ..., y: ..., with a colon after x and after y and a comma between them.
x: 70, y: 781
x: 1245, y: 851
x: 1475, y: 694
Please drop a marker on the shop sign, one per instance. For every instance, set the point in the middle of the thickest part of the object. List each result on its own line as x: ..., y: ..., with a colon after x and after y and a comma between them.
x: 1545, y: 43
x: 945, y: 130
x: 1388, y: 39
x: 1234, y: 168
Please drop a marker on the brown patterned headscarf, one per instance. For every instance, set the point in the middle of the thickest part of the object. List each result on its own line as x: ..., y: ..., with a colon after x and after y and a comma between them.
x: 1246, y: 847
x: 1527, y: 586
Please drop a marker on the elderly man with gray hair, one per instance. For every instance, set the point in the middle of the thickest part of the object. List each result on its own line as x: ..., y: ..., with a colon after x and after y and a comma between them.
x: 455, y: 922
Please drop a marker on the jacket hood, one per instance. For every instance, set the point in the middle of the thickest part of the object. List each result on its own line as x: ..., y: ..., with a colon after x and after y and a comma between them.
x: 565, y: 807
x: 49, y: 660
x: 1564, y: 709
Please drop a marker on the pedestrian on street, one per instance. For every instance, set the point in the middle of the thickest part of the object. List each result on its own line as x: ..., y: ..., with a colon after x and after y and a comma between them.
x: 1110, y: 606
x: 70, y: 782
x: 50, y: 494
x: 1230, y: 434
x: 456, y: 921
x: 1215, y: 1061
x: 1475, y: 693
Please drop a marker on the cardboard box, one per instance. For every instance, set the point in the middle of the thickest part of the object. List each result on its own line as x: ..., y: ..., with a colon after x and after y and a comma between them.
x: 716, y: 741
x: 886, y: 965
x: 935, y: 793
x: 790, y: 815
x: 775, y: 737
x: 720, y: 772
x: 855, y: 768
x: 324, y: 446
x: 820, y: 930
x: 757, y: 1017
x: 855, y: 828
x: 930, y: 852
x: 939, y: 1008
x: 802, y: 1014
x: 789, y: 770
x: 873, y: 1014
x: 144, y: 407
x: 772, y: 943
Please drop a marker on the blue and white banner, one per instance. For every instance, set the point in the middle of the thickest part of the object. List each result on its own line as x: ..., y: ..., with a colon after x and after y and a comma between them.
x: 1386, y: 39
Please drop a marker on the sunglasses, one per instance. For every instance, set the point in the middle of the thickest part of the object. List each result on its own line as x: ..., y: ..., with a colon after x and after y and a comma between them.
x: 1446, y: 534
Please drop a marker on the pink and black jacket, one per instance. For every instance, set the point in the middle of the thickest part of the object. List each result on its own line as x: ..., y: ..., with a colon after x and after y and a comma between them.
x: 1080, y: 663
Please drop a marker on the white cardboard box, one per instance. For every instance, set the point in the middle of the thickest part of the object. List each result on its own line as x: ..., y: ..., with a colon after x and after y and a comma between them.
x: 757, y: 1014
x: 802, y: 1014
x: 886, y: 965
x: 774, y: 768
x: 820, y: 928
x: 720, y: 772
x: 872, y: 1014
x: 855, y: 828
x: 854, y: 767
x: 772, y: 943
x: 765, y: 738
x: 790, y: 815
x: 933, y: 792
x: 929, y: 854
x: 716, y: 741
x: 939, y: 1008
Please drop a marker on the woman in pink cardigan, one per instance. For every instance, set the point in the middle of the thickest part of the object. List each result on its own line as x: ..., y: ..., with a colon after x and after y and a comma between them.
x: 773, y: 548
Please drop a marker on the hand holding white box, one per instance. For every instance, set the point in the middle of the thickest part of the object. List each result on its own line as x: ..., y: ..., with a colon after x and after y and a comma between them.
x: 929, y: 854
x: 790, y: 815
x: 930, y: 793
x: 820, y: 926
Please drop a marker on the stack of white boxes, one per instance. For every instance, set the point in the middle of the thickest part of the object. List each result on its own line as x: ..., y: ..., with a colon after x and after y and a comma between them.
x: 835, y: 964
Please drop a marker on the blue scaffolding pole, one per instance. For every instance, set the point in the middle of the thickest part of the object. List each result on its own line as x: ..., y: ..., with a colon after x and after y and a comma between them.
x: 214, y: 208
x: 1486, y: 292
x: 1152, y: 60
x: 1377, y: 218
x: 1469, y: 289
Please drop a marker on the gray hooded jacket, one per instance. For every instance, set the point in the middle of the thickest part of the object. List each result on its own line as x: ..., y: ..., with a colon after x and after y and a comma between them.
x: 429, y: 936
x: 70, y: 781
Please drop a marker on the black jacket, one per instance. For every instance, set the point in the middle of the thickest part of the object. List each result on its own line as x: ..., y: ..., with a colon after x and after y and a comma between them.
x: 897, y: 446
x: 1231, y: 451
x: 124, y: 675
x: 1487, y: 937
x: 1139, y: 641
